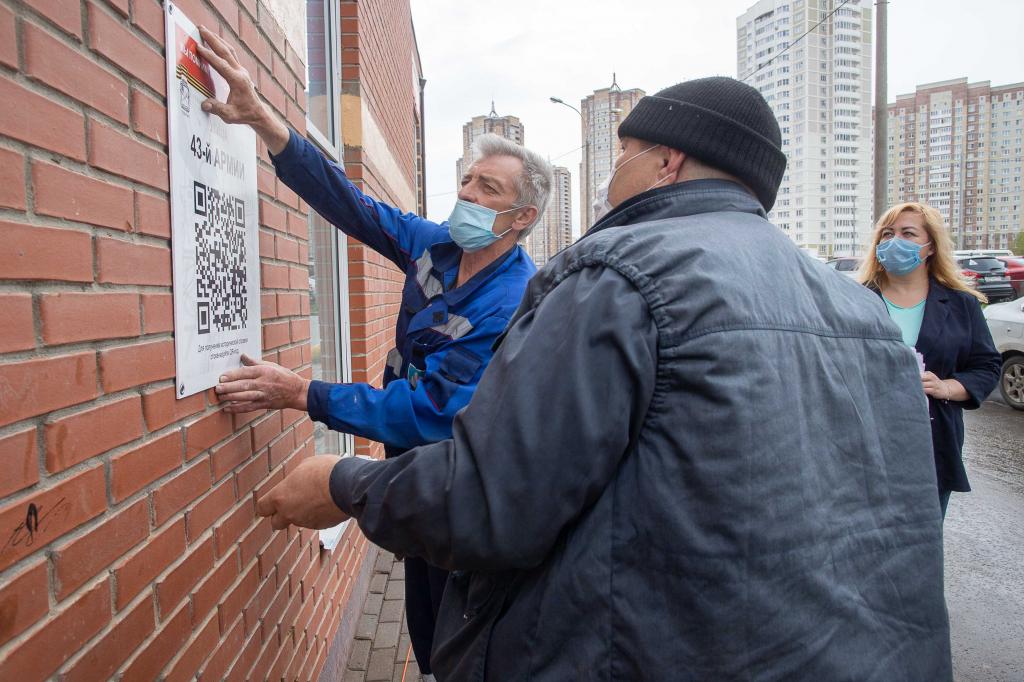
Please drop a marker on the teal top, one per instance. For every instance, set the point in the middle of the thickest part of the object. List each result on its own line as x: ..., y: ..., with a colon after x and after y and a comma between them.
x: 908, y: 319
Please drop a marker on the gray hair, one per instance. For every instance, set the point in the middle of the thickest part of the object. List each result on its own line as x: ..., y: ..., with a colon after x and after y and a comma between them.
x: 533, y: 185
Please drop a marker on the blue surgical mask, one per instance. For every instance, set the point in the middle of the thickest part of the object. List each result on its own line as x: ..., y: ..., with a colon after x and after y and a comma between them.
x: 472, y: 225
x: 899, y: 256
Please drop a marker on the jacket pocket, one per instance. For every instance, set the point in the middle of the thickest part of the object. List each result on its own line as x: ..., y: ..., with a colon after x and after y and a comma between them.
x: 458, y: 367
x: 473, y: 602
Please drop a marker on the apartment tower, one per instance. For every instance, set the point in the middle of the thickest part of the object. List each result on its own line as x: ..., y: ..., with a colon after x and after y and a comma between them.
x: 957, y: 146
x: 509, y: 127
x: 554, y: 232
x: 820, y: 89
x: 601, y: 113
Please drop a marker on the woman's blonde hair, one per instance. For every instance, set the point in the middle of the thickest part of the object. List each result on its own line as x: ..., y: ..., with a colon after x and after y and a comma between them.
x: 941, y: 264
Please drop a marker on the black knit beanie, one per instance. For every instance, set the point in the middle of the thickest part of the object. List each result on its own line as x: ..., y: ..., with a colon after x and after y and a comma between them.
x: 719, y: 121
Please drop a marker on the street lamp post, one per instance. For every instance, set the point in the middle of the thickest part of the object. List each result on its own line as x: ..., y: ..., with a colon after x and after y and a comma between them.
x: 563, y: 102
x: 585, y: 179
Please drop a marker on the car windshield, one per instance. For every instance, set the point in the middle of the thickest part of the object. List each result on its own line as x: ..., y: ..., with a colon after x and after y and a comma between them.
x: 982, y: 264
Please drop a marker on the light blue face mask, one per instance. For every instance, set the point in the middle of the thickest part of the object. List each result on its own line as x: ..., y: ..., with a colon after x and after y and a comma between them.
x: 899, y: 256
x: 472, y: 225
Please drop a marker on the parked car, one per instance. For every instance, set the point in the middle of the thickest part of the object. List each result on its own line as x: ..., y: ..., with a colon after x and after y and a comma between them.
x: 1015, y: 269
x: 1006, y: 322
x: 988, y: 275
x: 982, y: 252
x: 847, y: 265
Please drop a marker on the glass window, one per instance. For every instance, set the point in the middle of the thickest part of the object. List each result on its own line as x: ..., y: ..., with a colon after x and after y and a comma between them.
x: 328, y: 247
x: 322, y: 70
x: 328, y: 262
x: 328, y: 313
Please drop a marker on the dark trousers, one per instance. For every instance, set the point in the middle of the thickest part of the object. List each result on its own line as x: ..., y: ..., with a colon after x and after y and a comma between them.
x: 424, y: 585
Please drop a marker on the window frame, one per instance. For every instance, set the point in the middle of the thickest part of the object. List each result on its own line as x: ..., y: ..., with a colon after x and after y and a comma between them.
x: 332, y: 36
x: 331, y: 144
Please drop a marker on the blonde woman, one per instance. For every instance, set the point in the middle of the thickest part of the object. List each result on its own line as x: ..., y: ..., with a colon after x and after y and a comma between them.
x: 910, y: 265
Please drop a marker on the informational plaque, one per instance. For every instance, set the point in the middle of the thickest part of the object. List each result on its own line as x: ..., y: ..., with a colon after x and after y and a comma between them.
x: 214, y: 219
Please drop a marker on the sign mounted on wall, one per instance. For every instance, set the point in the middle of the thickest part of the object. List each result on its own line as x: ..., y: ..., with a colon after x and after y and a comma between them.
x: 214, y: 226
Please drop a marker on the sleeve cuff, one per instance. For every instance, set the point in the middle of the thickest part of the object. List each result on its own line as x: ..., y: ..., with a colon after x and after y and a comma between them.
x: 974, y: 400
x: 290, y: 152
x: 342, y: 482
x: 317, y: 397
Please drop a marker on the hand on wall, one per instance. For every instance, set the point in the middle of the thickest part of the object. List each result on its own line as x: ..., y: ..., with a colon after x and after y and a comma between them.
x: 261, y: 385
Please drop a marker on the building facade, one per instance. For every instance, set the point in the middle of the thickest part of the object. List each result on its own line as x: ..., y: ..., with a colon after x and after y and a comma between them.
x: 554, y: 232
x: 601, y: 113
x: 131, y: 547
x: 509, y: 127
x: 957, y: 146
x: 820, y: 90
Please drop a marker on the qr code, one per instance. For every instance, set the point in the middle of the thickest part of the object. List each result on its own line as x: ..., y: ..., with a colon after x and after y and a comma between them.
x: 222, y: 295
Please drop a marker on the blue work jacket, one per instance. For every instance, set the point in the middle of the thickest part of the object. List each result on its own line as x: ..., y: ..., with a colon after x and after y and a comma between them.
x: 444, y: 334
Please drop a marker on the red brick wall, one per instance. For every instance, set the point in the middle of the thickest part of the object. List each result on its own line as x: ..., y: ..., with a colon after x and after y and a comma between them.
x: 128, y: 539
x: 376, y: 65
x: 385, y: 66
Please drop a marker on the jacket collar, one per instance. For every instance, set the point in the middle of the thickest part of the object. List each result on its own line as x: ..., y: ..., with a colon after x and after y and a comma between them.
x: 682, y: 199
x: 936, y: 310
x: 447, y: 257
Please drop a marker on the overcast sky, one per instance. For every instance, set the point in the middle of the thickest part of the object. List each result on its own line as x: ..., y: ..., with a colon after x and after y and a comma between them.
x: 519, y: 53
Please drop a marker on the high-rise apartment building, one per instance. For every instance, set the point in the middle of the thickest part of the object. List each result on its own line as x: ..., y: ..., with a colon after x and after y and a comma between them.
x: 957, y: 146
x: 601, y: 114
x: 820, y: 89
x: 509, y: 127
x: 554, y: 232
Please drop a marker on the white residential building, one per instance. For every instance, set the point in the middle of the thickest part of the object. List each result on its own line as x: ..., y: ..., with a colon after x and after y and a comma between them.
x: 509, y: 127
x: 820, y: 90
x: 601, y: 114
x: 554, y: 232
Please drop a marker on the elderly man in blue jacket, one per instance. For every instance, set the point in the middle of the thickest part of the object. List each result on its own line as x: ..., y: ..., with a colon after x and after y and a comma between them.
x: 697, y: 454
x: 464, y: 280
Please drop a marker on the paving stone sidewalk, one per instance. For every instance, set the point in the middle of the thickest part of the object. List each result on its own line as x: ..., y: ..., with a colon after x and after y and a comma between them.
x: 381, y: 645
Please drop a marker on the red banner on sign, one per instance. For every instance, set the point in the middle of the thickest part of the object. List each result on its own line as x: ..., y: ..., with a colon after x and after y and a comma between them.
x: 191, y: 67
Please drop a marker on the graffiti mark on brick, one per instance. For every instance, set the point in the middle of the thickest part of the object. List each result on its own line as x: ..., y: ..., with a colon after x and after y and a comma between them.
x: 38, y: 520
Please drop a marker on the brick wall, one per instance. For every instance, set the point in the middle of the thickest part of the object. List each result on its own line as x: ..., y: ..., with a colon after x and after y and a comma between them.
x: 376, y: 66
x: 385, y: 69
x: 129, y: 544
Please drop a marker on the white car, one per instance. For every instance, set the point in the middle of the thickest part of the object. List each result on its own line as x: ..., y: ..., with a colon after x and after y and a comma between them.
x: 848, y: 265
x: 1006, y: 322
x: 982, y: 252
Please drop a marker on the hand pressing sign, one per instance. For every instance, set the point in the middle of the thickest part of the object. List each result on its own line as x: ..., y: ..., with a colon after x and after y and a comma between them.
x: 303, y: 498
x: 243, y: 104
x: 261, y: 385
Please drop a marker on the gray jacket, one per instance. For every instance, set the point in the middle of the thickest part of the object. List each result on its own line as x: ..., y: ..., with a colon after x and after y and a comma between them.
x: 697, y: 454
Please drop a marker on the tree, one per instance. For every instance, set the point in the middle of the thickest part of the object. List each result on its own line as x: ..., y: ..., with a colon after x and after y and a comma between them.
x: 1018, y: 244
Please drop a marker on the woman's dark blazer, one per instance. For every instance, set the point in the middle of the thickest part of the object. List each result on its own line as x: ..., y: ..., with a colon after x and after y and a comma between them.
x: 956, y: 344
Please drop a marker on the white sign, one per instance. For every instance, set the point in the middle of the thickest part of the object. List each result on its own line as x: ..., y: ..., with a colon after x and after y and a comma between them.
x: 214, y: 226
x: 330, y: 537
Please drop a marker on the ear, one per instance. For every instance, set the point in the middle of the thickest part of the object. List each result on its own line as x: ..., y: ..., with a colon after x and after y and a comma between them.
x: 523, y: 218
x: 672, y: 164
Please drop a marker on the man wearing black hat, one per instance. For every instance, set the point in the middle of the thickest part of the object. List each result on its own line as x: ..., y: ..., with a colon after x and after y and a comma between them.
x: 697, y: 453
